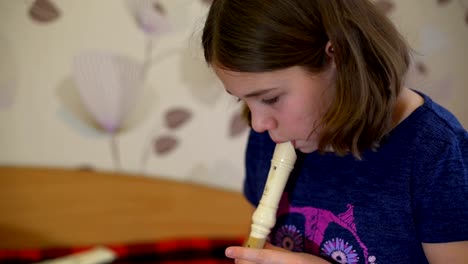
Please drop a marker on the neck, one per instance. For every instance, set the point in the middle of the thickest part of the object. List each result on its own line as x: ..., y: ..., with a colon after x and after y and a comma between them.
x: 407, y: 101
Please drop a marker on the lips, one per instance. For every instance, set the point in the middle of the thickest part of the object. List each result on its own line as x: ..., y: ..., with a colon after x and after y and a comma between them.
x: 293, y: 143
x: 278, y: 141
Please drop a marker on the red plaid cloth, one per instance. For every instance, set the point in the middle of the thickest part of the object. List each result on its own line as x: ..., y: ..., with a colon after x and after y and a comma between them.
x: 189, y: 251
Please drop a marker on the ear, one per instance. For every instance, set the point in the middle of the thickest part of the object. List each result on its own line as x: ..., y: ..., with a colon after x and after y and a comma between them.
x: 329, y: 50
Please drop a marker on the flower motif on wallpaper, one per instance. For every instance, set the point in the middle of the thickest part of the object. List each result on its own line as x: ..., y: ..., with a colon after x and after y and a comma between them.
x: 109, y: 86
x: 106, y: 92
x: 43, y: 11
x: 150, y: 16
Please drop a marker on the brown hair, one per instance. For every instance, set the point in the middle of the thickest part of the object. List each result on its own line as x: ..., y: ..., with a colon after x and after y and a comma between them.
x: 370, y: 55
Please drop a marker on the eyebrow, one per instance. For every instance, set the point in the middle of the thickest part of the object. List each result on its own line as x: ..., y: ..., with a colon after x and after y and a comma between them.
x: 255, y: 93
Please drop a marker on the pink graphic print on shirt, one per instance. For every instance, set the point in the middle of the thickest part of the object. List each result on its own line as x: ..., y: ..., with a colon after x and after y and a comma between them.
x: 316, y: 223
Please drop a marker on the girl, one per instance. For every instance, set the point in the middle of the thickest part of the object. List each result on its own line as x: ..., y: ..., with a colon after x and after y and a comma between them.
x: 381, y: 175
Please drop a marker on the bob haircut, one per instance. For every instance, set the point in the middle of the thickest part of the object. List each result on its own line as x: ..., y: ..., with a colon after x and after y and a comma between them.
x: 370, y: 55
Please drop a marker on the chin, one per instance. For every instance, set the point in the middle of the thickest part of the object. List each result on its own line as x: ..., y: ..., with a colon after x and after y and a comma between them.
x: 306, y: 146
x: 307, y: 149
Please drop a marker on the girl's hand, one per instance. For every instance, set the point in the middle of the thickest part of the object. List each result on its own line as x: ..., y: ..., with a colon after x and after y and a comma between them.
x: 271, y: 255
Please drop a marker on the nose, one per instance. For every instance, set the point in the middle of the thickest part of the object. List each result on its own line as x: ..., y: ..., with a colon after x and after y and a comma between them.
x: 262, y: 121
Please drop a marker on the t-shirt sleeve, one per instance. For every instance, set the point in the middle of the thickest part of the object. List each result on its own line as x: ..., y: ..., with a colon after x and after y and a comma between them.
x: 441, y: 192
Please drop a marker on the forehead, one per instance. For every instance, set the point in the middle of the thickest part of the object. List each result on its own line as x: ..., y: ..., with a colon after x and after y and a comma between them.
x: 248, y: 76
x: 235, y: 81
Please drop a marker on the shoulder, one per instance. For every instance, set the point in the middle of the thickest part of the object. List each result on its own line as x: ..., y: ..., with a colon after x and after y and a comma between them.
x: 433, y: 128
x: 434, y: 146
x: 438, y: 158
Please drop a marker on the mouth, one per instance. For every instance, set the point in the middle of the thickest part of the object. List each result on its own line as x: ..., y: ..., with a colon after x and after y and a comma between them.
x: 277, y: 141
x: 293, y: 142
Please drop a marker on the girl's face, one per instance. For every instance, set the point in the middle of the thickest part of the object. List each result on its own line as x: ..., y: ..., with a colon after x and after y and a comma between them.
x: 288, y: 103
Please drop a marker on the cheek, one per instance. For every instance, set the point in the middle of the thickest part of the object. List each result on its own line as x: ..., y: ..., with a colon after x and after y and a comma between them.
x: 305, y: 111
x: 301, y: 118
x: 298, y: 120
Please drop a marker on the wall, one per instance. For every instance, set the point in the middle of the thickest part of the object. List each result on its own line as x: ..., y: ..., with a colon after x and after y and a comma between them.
x: 122, y: 86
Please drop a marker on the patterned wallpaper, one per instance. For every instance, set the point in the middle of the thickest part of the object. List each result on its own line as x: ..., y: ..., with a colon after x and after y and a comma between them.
x: 121, y: 85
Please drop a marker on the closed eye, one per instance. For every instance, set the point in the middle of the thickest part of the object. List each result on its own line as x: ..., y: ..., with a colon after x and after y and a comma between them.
x: 270, y: 101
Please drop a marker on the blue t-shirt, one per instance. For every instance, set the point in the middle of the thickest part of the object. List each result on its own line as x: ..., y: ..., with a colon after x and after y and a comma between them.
x: 412, y: 190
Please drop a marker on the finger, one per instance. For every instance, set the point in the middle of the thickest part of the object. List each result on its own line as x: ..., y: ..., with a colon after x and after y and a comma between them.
x: 259, y: 256
x: 270, y: 246
x: 267, y: 246
x: 238, y: 261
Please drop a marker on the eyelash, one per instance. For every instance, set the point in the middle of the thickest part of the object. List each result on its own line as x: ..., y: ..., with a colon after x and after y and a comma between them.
x: 265, y: 101
x: 270, y: 101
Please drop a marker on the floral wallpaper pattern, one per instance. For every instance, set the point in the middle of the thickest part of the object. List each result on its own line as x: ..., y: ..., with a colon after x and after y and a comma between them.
x: 122, y: 85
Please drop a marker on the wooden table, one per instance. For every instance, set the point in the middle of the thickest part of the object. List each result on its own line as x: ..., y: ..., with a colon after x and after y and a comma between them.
x: 42, y: 207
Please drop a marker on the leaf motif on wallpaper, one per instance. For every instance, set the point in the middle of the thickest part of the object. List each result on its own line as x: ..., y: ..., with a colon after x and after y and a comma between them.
x: 466, y: 16
x: 164, y: 144
x: 421, y: 67
x: 7, y: 93
x: 109, y: 85
x: 8, y: 75
x: 177, y: 116
x: 43, y: 11
x: 150, y: 16
x: 238, y: 125
x: 387, y: 6
x: 443, y: 2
